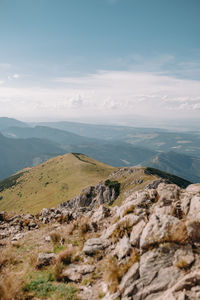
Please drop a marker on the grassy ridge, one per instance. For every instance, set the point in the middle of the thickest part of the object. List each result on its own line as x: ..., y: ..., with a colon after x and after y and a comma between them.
x: 57, y: 180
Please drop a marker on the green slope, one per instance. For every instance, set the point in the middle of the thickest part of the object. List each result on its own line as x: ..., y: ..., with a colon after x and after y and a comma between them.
x: 57, y: 180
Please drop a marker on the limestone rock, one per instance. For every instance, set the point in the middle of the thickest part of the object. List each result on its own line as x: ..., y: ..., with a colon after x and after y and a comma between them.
x: 75, y: 272
x: 123, y: 247
x: 193, y: 188
x: 163, y: 228
x: 91, y: 246
x: 129, y: 277
x: 101, y: 213
x: 136, y: 232
x: 194, y: 211
x: 45, y: 259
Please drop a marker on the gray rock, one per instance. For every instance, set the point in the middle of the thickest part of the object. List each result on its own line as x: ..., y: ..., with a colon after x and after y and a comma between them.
x: 45, y: 259
x: 129, y: 277
x: 101, y: 213
x: 75, y: 272
x: 136, y: 232
x: 91, y: 246
x: 193, y: 188
x: 194, y: 211
x: 123, y: 247
x: 160, y: 228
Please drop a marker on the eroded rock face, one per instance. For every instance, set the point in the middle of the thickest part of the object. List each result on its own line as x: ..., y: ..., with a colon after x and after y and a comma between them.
x: 153, y: 240
x: 163, y: 228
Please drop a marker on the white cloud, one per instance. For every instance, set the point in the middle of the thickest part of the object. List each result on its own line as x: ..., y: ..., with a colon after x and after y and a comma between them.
x: 16, y: 76
x: 105, y: 93
x: 1, y: 82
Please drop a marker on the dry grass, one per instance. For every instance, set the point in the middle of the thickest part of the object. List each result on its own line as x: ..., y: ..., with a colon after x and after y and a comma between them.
x: 111, y: 275
x: 123, y: 268
x: 123, y: 228
x: 182, y: 264
x: 59, y: 267
x: 7, y: 257
x: 11, y: 287
x: 83, y: 226
x: 179, y: 234
x: 113, y: 272
x: 55, y: 237
x: 66, y: 256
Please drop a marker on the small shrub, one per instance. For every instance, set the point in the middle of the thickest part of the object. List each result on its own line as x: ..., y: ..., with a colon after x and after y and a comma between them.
x: 111, y: 275
x: 65, y: 256
x: 83, y: 226
x: 123, y: 268
x: 123, y: 228
x: 55, y: 237
x: 59, y: 267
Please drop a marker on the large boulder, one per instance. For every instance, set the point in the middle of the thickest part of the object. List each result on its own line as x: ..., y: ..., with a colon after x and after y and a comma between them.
x: 163, y: 228
x: 193, y: 188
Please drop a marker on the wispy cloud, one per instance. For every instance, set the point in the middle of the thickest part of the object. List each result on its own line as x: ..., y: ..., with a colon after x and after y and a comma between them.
x: 110, y: 93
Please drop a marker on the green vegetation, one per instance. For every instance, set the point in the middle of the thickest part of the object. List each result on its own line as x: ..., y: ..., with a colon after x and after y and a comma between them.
x: 172, y: 178
x: 44, y: 287
x: 113, y: 184
x: 10, y: 181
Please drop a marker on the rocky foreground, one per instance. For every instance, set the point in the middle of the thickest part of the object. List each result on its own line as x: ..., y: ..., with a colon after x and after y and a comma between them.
x: 147, y: 248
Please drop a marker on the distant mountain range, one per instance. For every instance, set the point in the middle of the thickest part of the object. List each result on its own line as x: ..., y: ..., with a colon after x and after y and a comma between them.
x: 182, y: 165
x: 24, y: 145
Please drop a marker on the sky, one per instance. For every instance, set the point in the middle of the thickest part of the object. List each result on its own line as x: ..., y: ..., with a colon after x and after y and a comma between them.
x: 100, y: 60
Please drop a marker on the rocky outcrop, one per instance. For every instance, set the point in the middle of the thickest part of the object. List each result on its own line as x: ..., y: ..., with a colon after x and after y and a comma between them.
x: 16, y: 226
x: 146, y: 248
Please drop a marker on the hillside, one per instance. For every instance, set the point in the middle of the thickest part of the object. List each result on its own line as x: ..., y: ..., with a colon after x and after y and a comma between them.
x: 179, y: 164
x: 61, y: 178
x: 51, y: 183
x: 144, y: 247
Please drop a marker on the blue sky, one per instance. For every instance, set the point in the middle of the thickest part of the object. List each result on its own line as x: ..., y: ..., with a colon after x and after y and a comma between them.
x: 70, y: 59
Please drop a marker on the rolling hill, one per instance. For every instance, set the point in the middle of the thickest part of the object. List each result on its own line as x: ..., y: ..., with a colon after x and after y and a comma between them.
x: 179, y: 164
x: 43, y: 132
x: 51, y: 183
x: 62, y: 178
